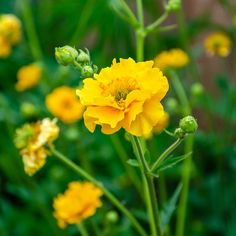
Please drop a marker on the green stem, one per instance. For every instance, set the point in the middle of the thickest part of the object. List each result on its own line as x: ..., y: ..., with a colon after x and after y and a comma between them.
x: 150, y: 194
x: 82, y: 229
x: 106, y: 192
x: 186, y: 172
x: 30, y: 30
x: 140, y: 34
x: 157, y: 23
x: 124, y: 158
x: 166, y: 153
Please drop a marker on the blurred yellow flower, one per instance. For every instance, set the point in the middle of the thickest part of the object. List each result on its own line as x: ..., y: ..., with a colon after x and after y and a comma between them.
x: 218, y: 44
x: 28, y: 76
x: 126, y: 95
x: 174, y: 58
x: 64, y: 104
x: 31, y: 140
x: 10, y: 28
x: 5, y: 48
x: 78, y: 202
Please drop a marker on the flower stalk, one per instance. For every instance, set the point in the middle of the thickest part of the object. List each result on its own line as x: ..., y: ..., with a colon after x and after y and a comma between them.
x: 106, y: 192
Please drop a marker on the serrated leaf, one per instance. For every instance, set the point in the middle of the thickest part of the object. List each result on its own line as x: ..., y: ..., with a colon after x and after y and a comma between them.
x: 172, y: 161
x: 169, y: 208
x: 133, y: 162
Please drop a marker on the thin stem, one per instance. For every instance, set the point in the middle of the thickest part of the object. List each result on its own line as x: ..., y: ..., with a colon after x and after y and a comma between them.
x: 30, y: 30
x: 124, y: 158
x: 82, y: 229
x: 156, y: 23
x: 106, y: 192
x: 150, y: 193
x: 166, y: 153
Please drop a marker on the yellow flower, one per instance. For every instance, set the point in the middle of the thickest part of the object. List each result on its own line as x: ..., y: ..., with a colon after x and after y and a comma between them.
x: 126, y: 95
x: 174, y: 58
x: 28, y: 77
x: 5, y: 48
x: 31, y: 140
x: 10, y: 28
x: 162, y: 124
x: 78, y: 202
x: 218, y: 44
x: 64, y: 104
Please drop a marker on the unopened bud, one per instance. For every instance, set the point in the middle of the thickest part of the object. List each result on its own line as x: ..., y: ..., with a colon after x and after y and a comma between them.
x: 83, y: 57
x: 28, y: 109
x: 66, y: 55
x: 188, y: 124
x: 173, y: 5
x: 171, y: 104
x: 197, y: 89
x: 179, y: 133
x: 87, y: 72
x: 112, y: 216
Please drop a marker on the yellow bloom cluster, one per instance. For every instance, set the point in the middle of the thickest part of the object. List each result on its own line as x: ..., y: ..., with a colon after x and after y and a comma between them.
x: 10, y: 33
x: 28, y: 76
x: 31, y: 140
x: 64, y: 104
x: 126, y: 95
x: 174, y: 58
x: 218, y: 44
x: 78, y: 202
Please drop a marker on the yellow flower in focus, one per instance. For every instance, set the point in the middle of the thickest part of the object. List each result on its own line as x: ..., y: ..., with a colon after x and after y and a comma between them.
x: 10, y: 28
x: 5, y: 48
x: 174, y: 58
x: 31, y: 140
x: 218, y: 44
x: 126, y: 95
x: 162, y: 124
x: 64, y: 104
x: 28, y: 77
x: 77, y: 203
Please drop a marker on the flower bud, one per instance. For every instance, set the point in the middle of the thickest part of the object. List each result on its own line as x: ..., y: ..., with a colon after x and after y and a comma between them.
x: 173, y: 5
x: 28, y: 109
x: 171, y: 104
x: 188, y: 124
x: 83, y: 57
x: 112, y: 216
x: 179, y: 133
x: 197, y: 89
x: 66, y: 55
x: 87, y: 71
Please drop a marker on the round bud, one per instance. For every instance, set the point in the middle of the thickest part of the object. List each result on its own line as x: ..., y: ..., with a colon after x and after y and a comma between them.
x: 179, y: 133
x: 28, y: 109
x: 188, y: 124
x: 112, y: 216
x: 197, y: 89
x: 72, y: 133
x: 87, y: 71
x: 173, y: 5
x: 83, y: 57
x: 171, y: 104
x: 66, y: 55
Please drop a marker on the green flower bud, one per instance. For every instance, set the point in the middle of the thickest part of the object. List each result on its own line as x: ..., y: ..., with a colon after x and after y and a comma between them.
x: 83, y: 57
x: 95, y: 68
x: 172, y: 104
x: 179, y: 133
x: 173, y: 5
x: 66, y: 55
x: 28, y: 109
x: 197, y: 89
x: 188, y: 124
x: 112, y: 216
x: 72, y: 133
x: 87, y: 72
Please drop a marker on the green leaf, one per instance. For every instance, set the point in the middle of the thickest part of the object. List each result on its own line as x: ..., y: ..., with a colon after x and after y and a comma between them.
x: 133, y: 162
x: 172, y: 161
x: 169, y: 208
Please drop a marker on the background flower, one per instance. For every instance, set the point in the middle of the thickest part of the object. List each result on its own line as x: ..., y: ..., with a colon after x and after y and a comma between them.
x: 77, y: 203
x: 64, y: 104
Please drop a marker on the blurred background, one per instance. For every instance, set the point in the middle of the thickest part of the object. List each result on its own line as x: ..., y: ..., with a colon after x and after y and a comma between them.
x: 26, y: 202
